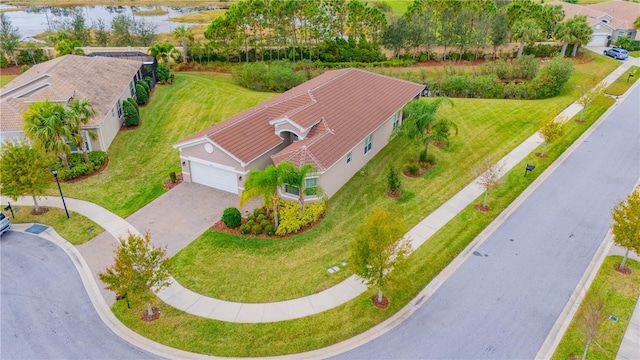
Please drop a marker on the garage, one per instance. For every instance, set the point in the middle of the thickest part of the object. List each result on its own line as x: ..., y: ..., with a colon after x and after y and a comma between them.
x: 598, y: 40
x: 214, y: 176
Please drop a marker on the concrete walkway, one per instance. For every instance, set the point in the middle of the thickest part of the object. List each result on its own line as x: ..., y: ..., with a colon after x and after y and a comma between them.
x: 196, y: 304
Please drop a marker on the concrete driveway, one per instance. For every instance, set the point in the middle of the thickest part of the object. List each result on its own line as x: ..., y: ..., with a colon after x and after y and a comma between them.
x: 46, y: 313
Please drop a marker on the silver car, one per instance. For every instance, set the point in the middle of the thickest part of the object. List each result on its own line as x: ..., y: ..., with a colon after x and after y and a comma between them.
x: 5, y: 223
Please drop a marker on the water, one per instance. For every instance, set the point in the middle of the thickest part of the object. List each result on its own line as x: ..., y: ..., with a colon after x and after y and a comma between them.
x: 33, y: 20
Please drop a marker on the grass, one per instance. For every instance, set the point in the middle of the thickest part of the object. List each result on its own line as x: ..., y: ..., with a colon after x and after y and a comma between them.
x: 73, y: 229
x: 141, y: 159
x: 178, y: 329
x: 204, y: 17
x: 634, y: 53
x: 233, y: 268
x: 5, y: 79
x: 624, y: 82
x: 120, y: 2
x: 621, y: 294
x: 154, y: 12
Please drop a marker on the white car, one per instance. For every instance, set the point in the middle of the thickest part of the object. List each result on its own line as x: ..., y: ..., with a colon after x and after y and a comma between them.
x: 5, y: 223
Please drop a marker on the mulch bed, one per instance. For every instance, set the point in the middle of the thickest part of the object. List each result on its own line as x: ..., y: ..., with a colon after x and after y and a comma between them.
x: 124, y: 126
x: 168, y: 185
x: 380, y: 305
x: 439, y: 144
x: 11, y: 70
x: 40, y: 211
x: 423, y: 170
x: 393, y: 194
x: 541, y: 155
x: 479, y: 207
x: 82, y: 177
x: 144, y: 316
x: 625, y: 271
x: 220, y: 226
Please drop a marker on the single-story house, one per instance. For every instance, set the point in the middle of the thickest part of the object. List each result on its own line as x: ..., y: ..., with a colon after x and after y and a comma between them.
x: 336, y: 122
x: 106, y: 82
x: 149, y: 63
x: 609, y: 20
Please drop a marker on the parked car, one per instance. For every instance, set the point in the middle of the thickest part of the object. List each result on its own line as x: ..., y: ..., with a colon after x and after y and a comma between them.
x: 617, y: 53
x: 5, y: 223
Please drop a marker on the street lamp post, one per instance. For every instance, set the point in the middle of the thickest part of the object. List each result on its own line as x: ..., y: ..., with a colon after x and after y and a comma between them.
x: 54, y: 171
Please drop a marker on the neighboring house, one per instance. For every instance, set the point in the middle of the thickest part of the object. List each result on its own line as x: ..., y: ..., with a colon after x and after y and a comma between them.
x: 336, y: 122
x: 105, y: 82
x: 609, y: 20
x: 149, y: 63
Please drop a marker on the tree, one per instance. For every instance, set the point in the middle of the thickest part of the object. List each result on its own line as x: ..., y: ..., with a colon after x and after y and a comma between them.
x: 378, y: 248
x: 488, y: 174
x: 183, y: 34
x: 499, y: 31
x: 551, y: 131
x: 121, y: 31
x: 588, y: 91
x: 393, y: 181
x: 9, y: 37
x: 78, y: 29
x: 296, y: 178
x: 78, y: 114
x: 580, y: 32
x: 636, y: 23
x: 101, y: 33
x: 562, y: 33
x: 139, y: 269
x: 526, y: 31
x: 24, y: 170
x: 144, y: 33
x: 46, y: 128
x: 161, y: 52
x: 626, y: 225
x: 623, y: 42
x: 592, y: 313
x: 264, y: 183
x: 421, y: 120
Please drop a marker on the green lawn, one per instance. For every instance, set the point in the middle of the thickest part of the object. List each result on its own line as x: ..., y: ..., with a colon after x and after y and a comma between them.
x: 624, y: 82
x: 621, y: 294
x: 75, y: 229
x: 141, y: 159
x: 234, y: 268
x: 5, y: 79
x: 192, y: 333
x: 634, y: 53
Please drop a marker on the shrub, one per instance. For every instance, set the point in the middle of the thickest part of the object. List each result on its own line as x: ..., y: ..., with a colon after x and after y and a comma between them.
x: 552, y: 77
x: 277, y: 76
x: 75, y: 171
x: 135, y: 105
x: 245, y: 229
x: 162, y: 73
x: 269, y: 230
x: 264, y: 223
x: 142, y: 95
x: 3, y: 62
x: 412, y: 169
x: 97, y: 158
x: 260, y: 218
x: 173, y: 177
x: 31, y: 56
x: 231, y: 216
x: 131, y: 117
x: 256, y: 229
x: 393, y: 180
x: 427, y: 159
x: 145, y: 84
x: 290, y: 220
x: 251, y: 222
x: 24, y: 68
x: 251, y: 218
x: 258, y: 211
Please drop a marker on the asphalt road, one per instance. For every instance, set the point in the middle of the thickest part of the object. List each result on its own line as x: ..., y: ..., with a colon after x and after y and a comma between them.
x: 46, y: 312
x: 502, y: 303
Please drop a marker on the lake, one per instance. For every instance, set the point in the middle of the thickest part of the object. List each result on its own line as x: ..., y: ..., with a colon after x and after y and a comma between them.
x: 33, y: 20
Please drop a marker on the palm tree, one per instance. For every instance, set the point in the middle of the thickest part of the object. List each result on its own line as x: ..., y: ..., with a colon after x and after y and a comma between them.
x: 77, y: 114
x: 580, y: 32
x: 421, y: 122
x: 526, y: 31
x: 46, y: 128
x: 264, y: 183
x: 296, y: 177
x: 563, y: 33
x: 161, y: 51
x: 183, y: 34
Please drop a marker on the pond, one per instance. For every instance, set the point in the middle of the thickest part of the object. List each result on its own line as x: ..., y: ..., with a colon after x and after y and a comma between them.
x: 33, y: 20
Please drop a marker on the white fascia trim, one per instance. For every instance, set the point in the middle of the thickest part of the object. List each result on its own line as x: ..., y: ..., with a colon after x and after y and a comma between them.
x: 288, y: 121
x: 204, y: 140
x: 8, y: 91
x: 209, y: 163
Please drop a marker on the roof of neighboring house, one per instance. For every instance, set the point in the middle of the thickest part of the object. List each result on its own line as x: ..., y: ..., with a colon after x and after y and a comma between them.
x: 571, y: 10
x: 624, y: 13
x: 342, y: 107
x: 101, y: 80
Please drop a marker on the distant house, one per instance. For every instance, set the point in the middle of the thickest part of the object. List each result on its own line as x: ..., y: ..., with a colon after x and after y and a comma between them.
x: 105, y: 82
x: 609, y: 20
x: 336, y: 122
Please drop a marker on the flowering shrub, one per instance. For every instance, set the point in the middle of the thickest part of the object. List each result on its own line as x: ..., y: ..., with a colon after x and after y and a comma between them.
x: 290, y: 219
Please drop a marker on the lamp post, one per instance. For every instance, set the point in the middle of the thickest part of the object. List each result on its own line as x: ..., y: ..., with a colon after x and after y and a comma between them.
x: 54, y: 171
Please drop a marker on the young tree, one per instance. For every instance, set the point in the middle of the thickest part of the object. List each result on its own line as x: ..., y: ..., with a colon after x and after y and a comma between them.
x: 393, y: 181
x: 161, y: 52
x: 592, y: 314
x: 588, y: 91
x: 488, y: 174
x: 183, y: 34
x: 551, y: 131
x: 9, y: 37
x: 24, y: 170
x: 378, y: 248
x: 101, y: 33
x: 421, y: 121
x: 264, y: 183
x: 78, y: 114
x: 139, y: 269
x: 626, y: 225
x: 45, y: 126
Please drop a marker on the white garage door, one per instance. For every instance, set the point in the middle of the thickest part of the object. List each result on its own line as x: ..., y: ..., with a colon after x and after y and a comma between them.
x: 214, y: 177
x: 598, y: 40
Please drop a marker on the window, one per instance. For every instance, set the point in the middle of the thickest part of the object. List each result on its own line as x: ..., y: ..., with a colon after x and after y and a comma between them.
x: 630, y: 34
x: 310, y: 186
x: 367, y: 144
x: 87, y: 144
x: 396, y: 119
x: 119, y: 105
x: 132, y: 89
x: 349, y: 157
x: 620, y: 33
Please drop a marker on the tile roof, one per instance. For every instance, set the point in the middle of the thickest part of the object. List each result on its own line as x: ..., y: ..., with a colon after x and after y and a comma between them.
x: 342, y: 106
x: 101, y: 80
x: 572, y: 10
x: 623, y: 13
